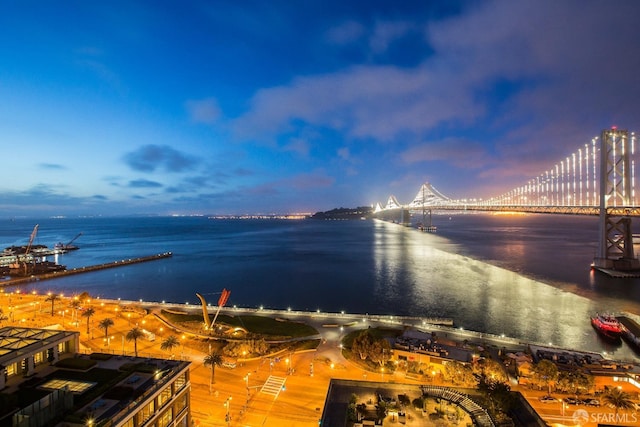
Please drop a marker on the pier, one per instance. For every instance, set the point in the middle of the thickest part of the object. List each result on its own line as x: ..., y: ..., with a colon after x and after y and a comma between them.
x: 631, y: 332
x: 57, y: 274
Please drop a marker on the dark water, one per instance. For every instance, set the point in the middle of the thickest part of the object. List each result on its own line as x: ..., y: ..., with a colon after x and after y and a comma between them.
x: 524, y: 276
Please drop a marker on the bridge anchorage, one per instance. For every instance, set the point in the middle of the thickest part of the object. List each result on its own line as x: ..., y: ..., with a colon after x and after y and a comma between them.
x: 598, y: 180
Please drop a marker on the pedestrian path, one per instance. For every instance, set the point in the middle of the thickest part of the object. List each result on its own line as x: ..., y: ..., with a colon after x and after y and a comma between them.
x: 273, y: 386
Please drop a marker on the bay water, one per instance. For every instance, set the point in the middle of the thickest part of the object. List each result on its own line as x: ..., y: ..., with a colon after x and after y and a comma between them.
x: 525, y: 276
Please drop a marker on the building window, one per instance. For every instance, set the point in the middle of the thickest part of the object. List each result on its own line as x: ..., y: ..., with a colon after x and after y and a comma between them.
x: 12, y: 369
x: 181, y: 403
x: 164, y: 397
x: 129, y: 423
x: 146, y: 413
x: 165, y: 419
x: 37, y: 358
x: 180, y: 382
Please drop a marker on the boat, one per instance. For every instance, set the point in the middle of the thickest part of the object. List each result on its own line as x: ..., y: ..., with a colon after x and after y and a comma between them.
x: 607, y: 326
x: 427, y: 228
x: 66, y: 247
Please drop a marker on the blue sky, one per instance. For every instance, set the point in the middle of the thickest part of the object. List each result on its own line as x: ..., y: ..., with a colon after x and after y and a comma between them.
x: 214, y: 107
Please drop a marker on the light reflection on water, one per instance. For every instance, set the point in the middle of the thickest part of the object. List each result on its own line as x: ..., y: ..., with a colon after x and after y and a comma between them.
x: 478, y: 295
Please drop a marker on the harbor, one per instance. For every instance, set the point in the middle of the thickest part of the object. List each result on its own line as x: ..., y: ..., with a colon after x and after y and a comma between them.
x: 57, y: 274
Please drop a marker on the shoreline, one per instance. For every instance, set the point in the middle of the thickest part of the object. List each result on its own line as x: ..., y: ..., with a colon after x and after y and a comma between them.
x: 315, y: 318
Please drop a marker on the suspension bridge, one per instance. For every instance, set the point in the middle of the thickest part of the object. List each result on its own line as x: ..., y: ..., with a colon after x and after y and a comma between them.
x: 598, y: 179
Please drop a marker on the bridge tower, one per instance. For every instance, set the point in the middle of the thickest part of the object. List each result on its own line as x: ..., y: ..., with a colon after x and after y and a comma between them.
x: 615, y: 245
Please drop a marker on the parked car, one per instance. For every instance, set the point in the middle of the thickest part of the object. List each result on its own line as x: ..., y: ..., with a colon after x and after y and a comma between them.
x: 548, y: 399
x: 573, y: 401
x: 592, y: 402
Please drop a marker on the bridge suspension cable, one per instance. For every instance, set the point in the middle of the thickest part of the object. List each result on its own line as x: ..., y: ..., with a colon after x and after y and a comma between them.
x: 597, y: 179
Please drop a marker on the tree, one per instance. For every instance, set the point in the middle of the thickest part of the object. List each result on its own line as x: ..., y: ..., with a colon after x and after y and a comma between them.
x: 246, y: 347
x: 53, y: 298
x: 618, y: 399
x: 134, y: 335
x: 362, y: 344
x: 170, y: 343
x: 2, y: 316
x: 212, y: 360
x: 545, y: 372
x: 105, y: 324
x: 498, y: 393
x: 575, y: 381
x: 492, y: 369
x: 380, y: 351
x: 458, y: 373
x: 88, y: 312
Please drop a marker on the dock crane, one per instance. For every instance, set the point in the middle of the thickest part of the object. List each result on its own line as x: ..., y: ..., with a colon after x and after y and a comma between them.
x: 68, y: 246
x: 21, y: 266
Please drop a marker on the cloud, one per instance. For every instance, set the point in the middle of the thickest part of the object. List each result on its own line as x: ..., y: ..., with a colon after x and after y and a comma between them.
x: 47, y: 198
x: 459, y: 152
x: 307, y: 181
x: 386, y: 32
x: 144, y: 183
x: 345, y: 33
x: 299, y: 146
x: 148, y: 158
x: 296, y: 183
x: 344, y: 153
x: 51, y: 166
x: 205, y: 111
x: 379, y: 102
x: 507, y: 75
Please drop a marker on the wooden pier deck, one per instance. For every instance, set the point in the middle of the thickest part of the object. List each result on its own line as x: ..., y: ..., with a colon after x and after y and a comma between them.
x: 57, y: 274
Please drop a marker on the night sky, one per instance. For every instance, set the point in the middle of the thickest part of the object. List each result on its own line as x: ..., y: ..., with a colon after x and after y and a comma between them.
x: 221, y: 107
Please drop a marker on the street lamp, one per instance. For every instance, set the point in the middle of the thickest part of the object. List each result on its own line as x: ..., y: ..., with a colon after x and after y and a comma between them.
x: 227, y: 418
x: 246, y: 380
x: 382, y: 373
x: 108, y: 340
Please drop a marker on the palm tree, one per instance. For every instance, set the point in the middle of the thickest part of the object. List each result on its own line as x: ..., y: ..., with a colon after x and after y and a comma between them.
x: 105, y: 324
x: 75, y: 305
x: 53, y: 298
x: 170, y: 343
x: 618, y: 399
x: 88, y: 312
x: 134, y: 335
x: 212, y: 359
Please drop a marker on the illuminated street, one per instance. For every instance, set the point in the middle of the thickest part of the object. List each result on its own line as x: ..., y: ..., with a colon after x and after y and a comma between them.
x: 265, y: 391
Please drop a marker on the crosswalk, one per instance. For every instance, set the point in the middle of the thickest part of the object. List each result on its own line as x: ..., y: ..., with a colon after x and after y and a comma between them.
x: 273, y: 385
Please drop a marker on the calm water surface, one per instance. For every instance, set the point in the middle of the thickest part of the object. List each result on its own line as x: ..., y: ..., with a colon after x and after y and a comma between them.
x: 524, y: 276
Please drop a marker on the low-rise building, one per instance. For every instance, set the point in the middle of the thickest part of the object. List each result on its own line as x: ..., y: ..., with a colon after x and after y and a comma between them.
x: 51, y: 384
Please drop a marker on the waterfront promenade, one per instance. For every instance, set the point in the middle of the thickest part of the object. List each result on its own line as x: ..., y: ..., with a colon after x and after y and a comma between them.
x: 283, y: 389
